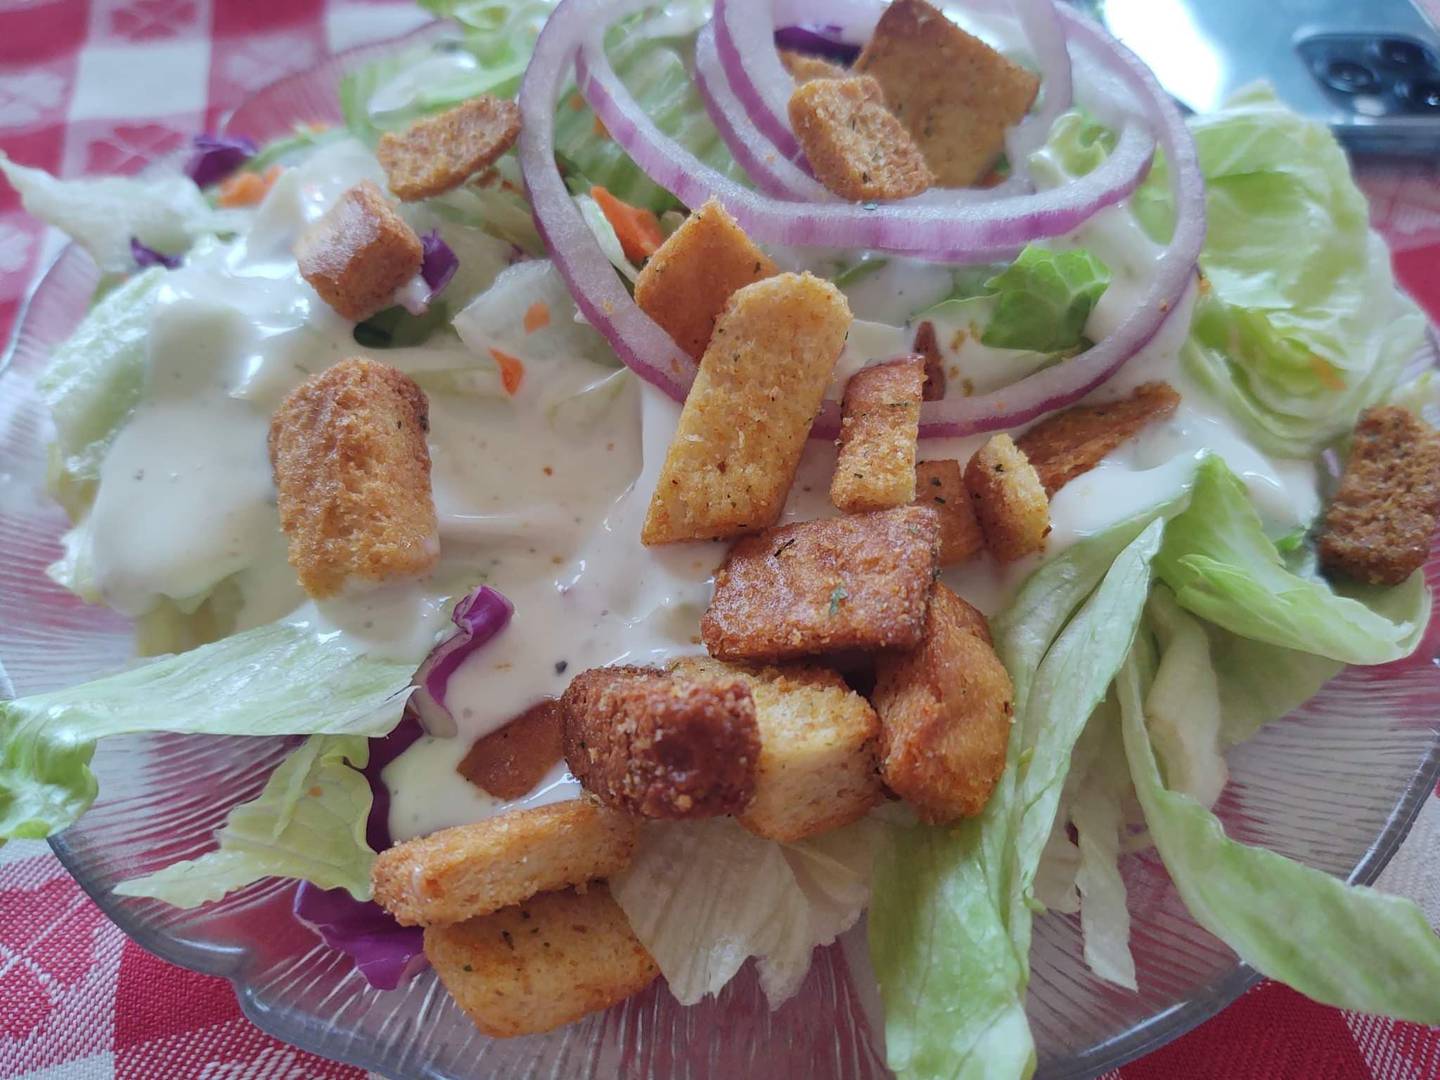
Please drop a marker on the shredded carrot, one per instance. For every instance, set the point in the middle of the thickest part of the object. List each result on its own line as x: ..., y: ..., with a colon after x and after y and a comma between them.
x: 511, y: 370
x: 247, y: 188
x: 1327, y: 373
x: 537, y: 315
x: 600, y: 128
x: 637, y: 228
x: 577, y: 102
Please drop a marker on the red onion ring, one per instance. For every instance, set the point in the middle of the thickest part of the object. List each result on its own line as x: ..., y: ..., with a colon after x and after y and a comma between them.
x: 977, y: 232
x: 1040, y: 23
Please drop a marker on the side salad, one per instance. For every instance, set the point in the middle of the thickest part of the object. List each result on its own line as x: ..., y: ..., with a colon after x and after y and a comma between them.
x: 705, y: 472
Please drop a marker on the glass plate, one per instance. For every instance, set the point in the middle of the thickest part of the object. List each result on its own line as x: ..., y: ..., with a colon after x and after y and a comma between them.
x: 1337, y: 785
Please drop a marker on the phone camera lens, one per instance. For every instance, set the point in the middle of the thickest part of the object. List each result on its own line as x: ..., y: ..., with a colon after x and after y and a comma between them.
x: 1422, y: 94
x: 1400, y: 53
x: 1350, y: 77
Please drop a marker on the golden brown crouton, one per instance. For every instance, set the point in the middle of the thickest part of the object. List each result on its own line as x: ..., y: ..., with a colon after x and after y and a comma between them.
x: 818, y: 766
x: 1380, y: 524
x: 945, y: 713
x: 508, y: 763
x: 856, y: 582
x: 685, y: 285
x: 358, y: 253
x: 879, y: 427
x: 456, y: 874
x: 353, y: 475
x: 1008, y: 499
x: 954, y: 93
x: 438, y: 153
x: 541, y: 964
x: 856, y: 148
x: 803, y: 68
x: 941, y: 486
x: 1069, y: 443
x: 928, y: 349
x: 654, y: 744
x: 748, y: 414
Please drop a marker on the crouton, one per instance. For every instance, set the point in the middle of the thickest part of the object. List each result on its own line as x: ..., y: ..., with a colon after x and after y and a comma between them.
x: 855, y: 147
x: 856, y: 582
x: 803, y: 68
x: 928, y: 349
x: 685, y: 285
x: 1381, y: 521
x: 352, y: 473
x: 508, y: 763
x: 438, y: 153
x: 818, y: 766
x: 955, y: 94
x: 541, y: 964
x: 654, y: 744
x: 1008, y: 499
x: 459, y: 873
x: 879, y: 427
x: 940, y: 485
x: 358, y: 253
x: 945, y: 713
x: 748, y: 414
x: 1069, y: 443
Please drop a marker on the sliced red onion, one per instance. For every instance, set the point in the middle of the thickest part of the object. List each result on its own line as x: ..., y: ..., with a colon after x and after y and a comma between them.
x: 1040, y: 23
x: 813, y: 40
x: 970, y: 232
x: 479, y: 616
x: 146, y: 256
x: 217, y: 156
x: 438, y: 262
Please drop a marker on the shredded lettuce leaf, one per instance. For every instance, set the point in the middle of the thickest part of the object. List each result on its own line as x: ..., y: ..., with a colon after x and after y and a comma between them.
x: 1343, y: 945
x: 704, y: 896
x: 1222, y: 567
x: 308, y: 823
x: 1043, y: 298
x: 280, y: 679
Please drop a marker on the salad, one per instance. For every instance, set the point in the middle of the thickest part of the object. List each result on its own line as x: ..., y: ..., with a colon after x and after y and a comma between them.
x: 697, y: 474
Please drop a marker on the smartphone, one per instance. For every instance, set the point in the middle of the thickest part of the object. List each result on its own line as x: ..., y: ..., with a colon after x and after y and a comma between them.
x: 1370, y: 69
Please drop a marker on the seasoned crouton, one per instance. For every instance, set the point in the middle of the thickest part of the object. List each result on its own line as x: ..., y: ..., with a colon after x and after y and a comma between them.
x: 861, y: 581
x: 661, y: 746
x: 879, y: 427
x: 541, y: 964
x: 941, y: 486
x: 352, y: 473
x: 508, y: 763
x: 1069, y: 443
x: 358, y: 253
x: 687, y: 282
x: 438, y: 153
x: 818, y: 766
x: 748, y: 414
x: 803, y: 68
x: 1380, y: 524
x: 1008, y: 499
x: 955, y: 94
x: 945, y: 713
x: 928, y: 349
x: 856, y: 148
x: 456, y: 874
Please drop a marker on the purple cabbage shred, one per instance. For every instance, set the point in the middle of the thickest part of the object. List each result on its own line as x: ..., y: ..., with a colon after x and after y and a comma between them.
x: 146, y: 256
x: 438, y: 262
x: 817, y: 40
x: 217, y: 156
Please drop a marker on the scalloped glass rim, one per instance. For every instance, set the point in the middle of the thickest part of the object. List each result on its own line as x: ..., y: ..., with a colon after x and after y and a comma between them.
x: 423, y: 1033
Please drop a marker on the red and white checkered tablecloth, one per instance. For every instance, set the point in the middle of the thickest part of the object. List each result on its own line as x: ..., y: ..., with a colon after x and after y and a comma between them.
x: 100, y: 86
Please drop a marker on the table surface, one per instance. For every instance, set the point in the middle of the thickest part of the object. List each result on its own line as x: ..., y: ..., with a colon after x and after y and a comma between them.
x: 101, y: 86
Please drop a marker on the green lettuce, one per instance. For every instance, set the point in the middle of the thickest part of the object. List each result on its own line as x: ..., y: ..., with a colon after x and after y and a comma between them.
x: 1222, y: 567
x: 308, y: 823
x: 1300, y: 325
x: 950, y: 919
x: 1343, y: 945
x: 1042, y: 300
x: 280, y: 679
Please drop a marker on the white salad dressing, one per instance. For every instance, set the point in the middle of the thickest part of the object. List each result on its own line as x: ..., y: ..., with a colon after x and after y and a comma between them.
x: 542, y: 494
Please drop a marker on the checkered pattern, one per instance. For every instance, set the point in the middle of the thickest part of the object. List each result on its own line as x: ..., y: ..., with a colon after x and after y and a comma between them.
x: 100, y: 86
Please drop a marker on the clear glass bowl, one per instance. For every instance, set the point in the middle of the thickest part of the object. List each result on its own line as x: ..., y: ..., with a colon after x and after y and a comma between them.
x: 1337, y: 785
